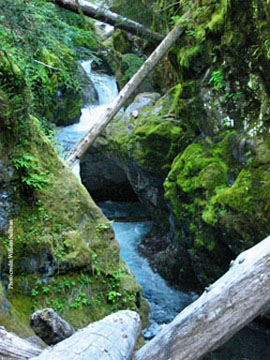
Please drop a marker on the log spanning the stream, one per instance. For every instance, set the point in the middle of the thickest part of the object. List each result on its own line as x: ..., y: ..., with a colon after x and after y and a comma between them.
x: 224, y: 308
x: 112, y: 338
x: 102, y: 13
x: 84, y: 143
x: 14, y: 348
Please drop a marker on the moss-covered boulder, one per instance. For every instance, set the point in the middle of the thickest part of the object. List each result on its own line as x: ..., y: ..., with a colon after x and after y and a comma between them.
x: 220, y: 202
x: 142, y: 142
x: 64, y: 252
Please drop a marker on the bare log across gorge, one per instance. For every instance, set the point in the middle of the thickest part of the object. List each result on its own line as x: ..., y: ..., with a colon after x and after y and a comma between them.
x: 14, y: 348
x: 112, y: 338
x: 126, y: 92
x: 102, y: 13
x: 224, y: 308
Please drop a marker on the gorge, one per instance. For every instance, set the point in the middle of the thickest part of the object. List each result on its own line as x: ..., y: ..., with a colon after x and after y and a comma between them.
x: 182, y: 169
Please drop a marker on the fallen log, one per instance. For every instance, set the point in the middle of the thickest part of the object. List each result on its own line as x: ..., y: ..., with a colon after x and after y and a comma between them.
x: 50, y: 327
x: 224, y: 308
x: 103, y: 14
x: 14, y: 348
x: 84, y: 143
x: 112, y: 338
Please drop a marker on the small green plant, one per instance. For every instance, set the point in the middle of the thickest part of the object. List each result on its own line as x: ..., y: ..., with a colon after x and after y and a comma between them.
x: 103, y: 226
x: 45, y: 289
x: 113, y: 295
x: 34, y: 292
x: 217, y: 80
x: 31, y: 175
x: 79, y: 301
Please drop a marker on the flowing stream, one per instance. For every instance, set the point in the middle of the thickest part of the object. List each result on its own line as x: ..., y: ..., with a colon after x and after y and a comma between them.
x: 165, y: 302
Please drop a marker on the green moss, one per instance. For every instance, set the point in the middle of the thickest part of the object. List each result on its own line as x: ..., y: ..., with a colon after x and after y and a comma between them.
x: 158, y: 133
x: 11, y: 319
x: 121, y: 42
x: 215, y: 218
x: 65, y: 253
x: 45, y: 57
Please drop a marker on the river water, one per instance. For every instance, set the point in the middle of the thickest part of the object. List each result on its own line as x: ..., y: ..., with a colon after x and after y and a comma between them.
x: 165, y: 302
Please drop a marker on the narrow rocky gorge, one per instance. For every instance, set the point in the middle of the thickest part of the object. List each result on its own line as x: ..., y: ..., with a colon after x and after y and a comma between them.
x: 189, y: 151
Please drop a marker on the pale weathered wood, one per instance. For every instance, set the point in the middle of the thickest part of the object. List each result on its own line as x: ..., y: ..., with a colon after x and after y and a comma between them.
x: 125, y: 93
x: 112, y: 338
x: 50, y: 327
x: 14, y: 348
x: 224, y: 308
x: 102, y: 13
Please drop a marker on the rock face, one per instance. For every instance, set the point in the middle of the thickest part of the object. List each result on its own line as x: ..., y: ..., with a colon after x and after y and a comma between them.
x: 7, y: 192
x: 102, y: 170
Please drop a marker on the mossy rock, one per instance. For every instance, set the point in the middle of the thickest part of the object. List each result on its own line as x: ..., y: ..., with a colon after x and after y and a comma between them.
x: 65, y: 109
x: 65, y: 253
x: 11, y: 318
x: 220, y: 205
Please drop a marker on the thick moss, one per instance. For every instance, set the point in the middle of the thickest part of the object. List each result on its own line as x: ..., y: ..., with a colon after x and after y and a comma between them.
x: 220, y: 204
x: 65, y: 253
x: 155, y: 135
x: 65, y: 109
x: 10, y: 318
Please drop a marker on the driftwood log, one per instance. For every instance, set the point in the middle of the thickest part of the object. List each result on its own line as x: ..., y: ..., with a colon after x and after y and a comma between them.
x: 84, y: 143
x: 14, y: 348
x: 224, y: 308
x: 103, y: 14
x: 112, y: 338
x: 50, y: 327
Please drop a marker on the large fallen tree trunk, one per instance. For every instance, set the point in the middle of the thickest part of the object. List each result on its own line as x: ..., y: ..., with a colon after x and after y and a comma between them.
x: 102, y: 13
x: 125, y: 93
x: 224, y: 308
x: 14, y: 348
x: 112, y: 338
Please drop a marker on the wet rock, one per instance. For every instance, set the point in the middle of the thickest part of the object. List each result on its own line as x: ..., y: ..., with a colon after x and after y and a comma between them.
x: 89, y: 92
x: 50, y: 327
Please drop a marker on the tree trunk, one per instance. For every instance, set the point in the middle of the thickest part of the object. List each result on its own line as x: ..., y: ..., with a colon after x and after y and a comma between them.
x: 109, y: 17
x: 14, y: 348
x: 224, y: 308
x: 112, y: 338
x: 125, y: 93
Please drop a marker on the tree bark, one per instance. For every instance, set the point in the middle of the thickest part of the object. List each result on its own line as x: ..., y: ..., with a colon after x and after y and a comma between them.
x: 112, y: 338
x: 224, y: 308
x: 14, y: 348
x: 125, y: 93
x: 105, y: 15
x: 50, y: 327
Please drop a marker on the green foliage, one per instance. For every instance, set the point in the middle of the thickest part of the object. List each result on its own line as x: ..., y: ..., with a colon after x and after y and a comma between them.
x: 131, y: 64
x: 38, y: 53
x: 102, y: 227
x: 217, y: 80
x: 31, y: 175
